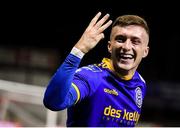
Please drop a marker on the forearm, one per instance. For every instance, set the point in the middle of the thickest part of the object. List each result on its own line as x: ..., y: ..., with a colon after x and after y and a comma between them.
x: 59, y: 85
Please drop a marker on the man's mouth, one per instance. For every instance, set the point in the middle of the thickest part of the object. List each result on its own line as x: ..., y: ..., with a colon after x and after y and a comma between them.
x: 126, y: 56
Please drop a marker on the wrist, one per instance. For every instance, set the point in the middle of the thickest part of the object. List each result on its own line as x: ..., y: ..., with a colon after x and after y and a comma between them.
x: 82, y: 48
x: 77, y: 52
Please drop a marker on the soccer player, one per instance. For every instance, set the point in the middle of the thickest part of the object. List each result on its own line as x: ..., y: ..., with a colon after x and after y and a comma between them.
x: 110, y: 93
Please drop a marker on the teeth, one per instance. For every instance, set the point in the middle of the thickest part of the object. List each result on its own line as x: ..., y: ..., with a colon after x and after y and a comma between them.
x: 126, y: 56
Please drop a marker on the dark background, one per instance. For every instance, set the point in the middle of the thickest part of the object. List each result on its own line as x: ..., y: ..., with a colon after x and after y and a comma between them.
x: 59, y: 25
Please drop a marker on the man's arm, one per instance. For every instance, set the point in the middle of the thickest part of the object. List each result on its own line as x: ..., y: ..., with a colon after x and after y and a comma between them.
x: 57, y: 95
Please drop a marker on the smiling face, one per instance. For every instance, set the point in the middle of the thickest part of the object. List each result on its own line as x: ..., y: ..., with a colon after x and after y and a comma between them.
x: 128, y: 45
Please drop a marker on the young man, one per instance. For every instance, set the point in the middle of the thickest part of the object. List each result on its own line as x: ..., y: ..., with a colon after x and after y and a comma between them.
x: 109, y: 93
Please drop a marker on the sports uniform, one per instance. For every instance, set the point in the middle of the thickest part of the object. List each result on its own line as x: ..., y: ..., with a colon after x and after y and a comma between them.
x: 94, y: 95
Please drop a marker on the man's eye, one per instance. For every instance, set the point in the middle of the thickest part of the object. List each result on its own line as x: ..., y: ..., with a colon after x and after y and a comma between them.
x: 136, y: 41
x: 121, y: 39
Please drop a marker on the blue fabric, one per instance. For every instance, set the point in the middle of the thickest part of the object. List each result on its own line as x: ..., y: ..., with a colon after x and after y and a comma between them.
x: 59, y: 93
x: 106, y: 99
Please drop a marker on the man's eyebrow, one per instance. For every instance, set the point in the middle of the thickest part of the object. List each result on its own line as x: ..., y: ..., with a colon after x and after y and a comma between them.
x: 126, y: 36
x: 135, y: 38
x: 120, y: 35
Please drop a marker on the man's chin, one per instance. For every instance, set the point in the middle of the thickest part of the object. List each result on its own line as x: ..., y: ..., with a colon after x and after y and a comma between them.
x: 125, y: 67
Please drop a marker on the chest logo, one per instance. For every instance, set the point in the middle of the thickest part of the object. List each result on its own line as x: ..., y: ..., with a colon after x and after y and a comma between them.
x: 111, y: 91
x: 138, y: 97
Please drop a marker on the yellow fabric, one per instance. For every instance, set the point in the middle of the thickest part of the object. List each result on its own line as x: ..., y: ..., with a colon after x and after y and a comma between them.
x: 107, y: 64
x: 78, y: 92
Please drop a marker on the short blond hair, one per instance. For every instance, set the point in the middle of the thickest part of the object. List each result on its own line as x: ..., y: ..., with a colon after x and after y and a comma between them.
x: 126, y: 20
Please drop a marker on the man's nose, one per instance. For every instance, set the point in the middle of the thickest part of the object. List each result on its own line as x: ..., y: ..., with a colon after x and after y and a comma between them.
x: 127, y: 45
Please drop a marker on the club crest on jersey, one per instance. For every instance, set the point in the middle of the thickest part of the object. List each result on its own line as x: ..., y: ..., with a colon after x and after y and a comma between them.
x: 138, y: 94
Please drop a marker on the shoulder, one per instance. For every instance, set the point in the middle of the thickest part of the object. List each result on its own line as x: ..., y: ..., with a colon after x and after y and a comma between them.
x: 90, y: 72
x: 93, y: 68
x: 139, y: 77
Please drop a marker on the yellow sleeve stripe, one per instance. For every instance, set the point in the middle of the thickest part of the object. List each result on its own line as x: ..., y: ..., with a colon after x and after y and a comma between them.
x: 78, y: 92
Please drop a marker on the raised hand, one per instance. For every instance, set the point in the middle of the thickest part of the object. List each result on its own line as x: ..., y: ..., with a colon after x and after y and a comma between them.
x: 93, y: 33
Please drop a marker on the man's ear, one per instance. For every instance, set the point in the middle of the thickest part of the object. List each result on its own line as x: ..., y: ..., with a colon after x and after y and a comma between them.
x: 146, y: 51
x: 109, y: 47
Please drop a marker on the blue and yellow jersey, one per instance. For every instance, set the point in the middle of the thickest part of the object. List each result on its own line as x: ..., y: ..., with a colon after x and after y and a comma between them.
x: 105, y: 98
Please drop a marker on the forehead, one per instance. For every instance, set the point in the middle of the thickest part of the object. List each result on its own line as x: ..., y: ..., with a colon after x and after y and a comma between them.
x: 130, y: 31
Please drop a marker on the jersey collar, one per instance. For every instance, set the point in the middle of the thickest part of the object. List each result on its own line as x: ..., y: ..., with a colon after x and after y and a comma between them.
x: 107, y: 64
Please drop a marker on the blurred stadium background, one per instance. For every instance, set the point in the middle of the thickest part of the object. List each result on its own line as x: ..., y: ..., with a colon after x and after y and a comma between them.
x: 36, y: 38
